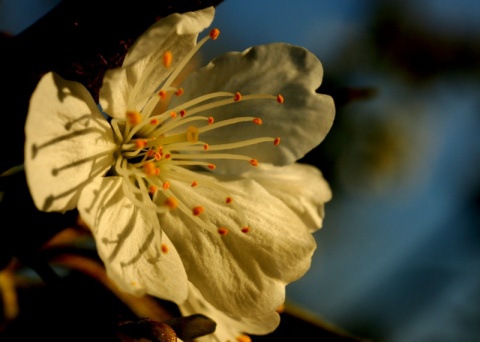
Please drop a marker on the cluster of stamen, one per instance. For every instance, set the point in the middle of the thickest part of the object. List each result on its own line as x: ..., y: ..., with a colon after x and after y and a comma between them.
x: 159, y: 147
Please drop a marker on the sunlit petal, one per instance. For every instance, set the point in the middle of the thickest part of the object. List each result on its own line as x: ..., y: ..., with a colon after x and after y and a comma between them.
x: 302, y: 121
x: 243, y: 246
x: 143, y: 69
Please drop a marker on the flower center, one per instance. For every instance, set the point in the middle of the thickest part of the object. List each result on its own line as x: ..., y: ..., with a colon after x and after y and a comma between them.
x: 158, y: 146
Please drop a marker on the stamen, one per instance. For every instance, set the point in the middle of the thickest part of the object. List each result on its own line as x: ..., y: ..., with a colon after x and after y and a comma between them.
x: 163, y: 94
x: 167, y: 59
x: 243, y: 338
x: 211, y: 166
x: 179, y: 92
x: 254, y: 162
x: 173, y: 114
x: 140, y: 143
x: 226, y: 122
x: 183, y: 112
x: 164, y: 248
x: 257, y: 121
x: 276, y: 142
x: 133, y: 117
x: 205, y: 147
x: 214, y: 33
x: 237, y: 97
x: 185, y: 60
x: 166, y: 185
x: 280, y: 99
x: 228, y: 200
x: 222, y: 231
x: 171, y: 202
x: 150, y: 169
x: 152, y: 189
x: 211, y: 120
x: 245, y: 229
x: 198, y: 210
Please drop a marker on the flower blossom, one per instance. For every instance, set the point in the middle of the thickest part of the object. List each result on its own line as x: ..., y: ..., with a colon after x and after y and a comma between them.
x: 193, y: 182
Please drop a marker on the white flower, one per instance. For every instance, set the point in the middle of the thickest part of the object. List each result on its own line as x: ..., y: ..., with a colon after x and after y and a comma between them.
x: 180, y: 185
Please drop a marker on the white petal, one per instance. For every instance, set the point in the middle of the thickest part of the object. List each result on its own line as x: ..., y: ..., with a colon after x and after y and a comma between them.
x: 228, y: 327
x: 302, y: 122
x: 242, y: 274
x: 129, y: 241
x: 68, y: 142
x: 301, y: 187
x: 143, y: 70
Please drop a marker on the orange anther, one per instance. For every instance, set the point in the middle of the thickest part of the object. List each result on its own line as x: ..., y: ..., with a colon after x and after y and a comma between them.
x: 228, y: 200
x: 211, y: 120
x: 154, y: 122
x: 237, y: 97
x: 214, y: 33
x: 211, y: 166
x: 173, y: 114
x: 157, y: 156
x: 152, y: 189
x: 140, y: 143
x: 166, y: 185
x: 198, y: 210
x: 163, y: 94
x: 157, y: 171
x: 179, y: 92
x: 133, y: 117
x: 171, y: 202
x: 276, y: 142
x: 183, y: 112
x: 280, y: 99
x: 243, y: 338
x: 254, y: 162
x: 205, y: 147
x: 149, y: 168
x: 194, y: 184
x: 164, y: 248
x: 222, y: 231
x: 168, y: 156
x: 257, y: 121
x: 245, y: 229
x: 167, y: 59
x: 150, y: 153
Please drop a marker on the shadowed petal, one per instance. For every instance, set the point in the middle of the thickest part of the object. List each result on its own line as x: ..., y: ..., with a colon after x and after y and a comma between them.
x: 68, y: 142
x: 228, y: 327
x: 137, y: 256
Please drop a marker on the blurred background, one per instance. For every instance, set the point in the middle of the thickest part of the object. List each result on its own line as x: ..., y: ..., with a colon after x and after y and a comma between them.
x: 398, y: 257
